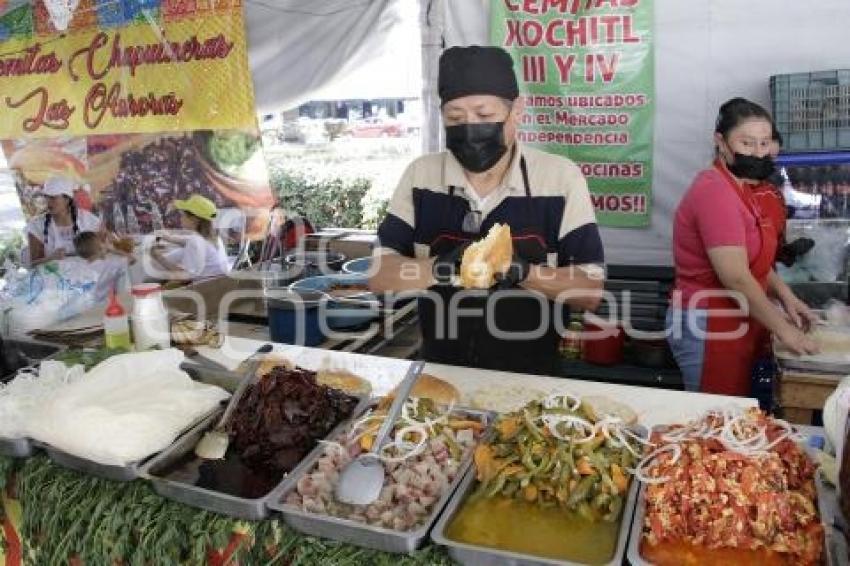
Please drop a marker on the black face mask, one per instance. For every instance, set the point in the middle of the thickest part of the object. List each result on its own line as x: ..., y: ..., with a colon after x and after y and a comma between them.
x: 752, y: 167
x: 477, y: 147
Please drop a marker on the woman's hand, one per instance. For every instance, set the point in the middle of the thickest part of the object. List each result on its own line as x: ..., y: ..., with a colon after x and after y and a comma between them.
x: 796, y: 341
x: 799, y: 313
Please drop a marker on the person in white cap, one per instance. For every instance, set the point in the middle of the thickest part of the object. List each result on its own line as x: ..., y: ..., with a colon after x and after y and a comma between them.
x: 51, y: 235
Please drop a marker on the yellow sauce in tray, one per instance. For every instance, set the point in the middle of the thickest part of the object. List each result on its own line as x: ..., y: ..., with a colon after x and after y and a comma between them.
x: 517, y: 526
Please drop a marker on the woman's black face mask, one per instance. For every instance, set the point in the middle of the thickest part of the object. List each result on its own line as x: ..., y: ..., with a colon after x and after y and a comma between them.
x: 751, y: 166
x: 477, y: 147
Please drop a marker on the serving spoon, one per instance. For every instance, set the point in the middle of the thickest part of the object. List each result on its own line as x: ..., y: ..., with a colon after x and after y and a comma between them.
x: 213, y: 445
x: 361, y: 481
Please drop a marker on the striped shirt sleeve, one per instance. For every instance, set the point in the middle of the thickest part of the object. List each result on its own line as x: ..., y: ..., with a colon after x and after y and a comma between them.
x: 395, y: 234
x: 579, y: 241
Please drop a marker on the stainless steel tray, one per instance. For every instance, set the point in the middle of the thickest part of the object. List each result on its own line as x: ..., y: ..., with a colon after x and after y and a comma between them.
x: 475, y: 555
x: 830, y: 514
x: 368, y: 536
x: 830, y: 544
x: 125, y: 473
x: 215, y: 501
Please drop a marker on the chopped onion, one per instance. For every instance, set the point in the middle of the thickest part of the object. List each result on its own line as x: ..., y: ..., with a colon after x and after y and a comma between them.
x: 787, y: 433
x: 552, y: 421
x: 643, y: 466
x: 332, y: 444
x: 562, y: 401
x: 747, y: 446
x: 412, y: 450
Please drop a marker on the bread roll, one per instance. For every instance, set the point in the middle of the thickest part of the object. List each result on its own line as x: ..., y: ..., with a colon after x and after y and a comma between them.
x: 484, y: 259
x: 429, y: 387
x: 268, y: 364
x: 344, y: 381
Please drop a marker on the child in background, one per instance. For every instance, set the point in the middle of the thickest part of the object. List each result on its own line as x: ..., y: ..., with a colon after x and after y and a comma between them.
x: 111, y: 264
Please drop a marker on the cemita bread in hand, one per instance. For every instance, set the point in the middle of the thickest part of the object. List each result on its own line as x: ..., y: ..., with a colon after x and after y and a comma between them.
x: 484, y: 259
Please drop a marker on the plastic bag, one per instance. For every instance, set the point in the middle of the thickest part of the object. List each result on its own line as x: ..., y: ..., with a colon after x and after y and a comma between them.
x: 21, y: 396
x: 49, y: 293
x: 826, y: 261
x: 126, y: 409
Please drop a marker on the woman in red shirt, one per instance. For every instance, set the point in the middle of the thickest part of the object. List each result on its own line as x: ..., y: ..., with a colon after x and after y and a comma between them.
x: 724, y: 248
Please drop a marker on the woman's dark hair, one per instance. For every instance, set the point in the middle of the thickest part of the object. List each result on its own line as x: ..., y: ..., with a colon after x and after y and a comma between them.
x: 48, y: 218
x: 203, y: 226
x: 777, y: 137
x: 737, y: 110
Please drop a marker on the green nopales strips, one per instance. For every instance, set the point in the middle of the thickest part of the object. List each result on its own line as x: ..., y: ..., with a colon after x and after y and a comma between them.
x: 68, y: 514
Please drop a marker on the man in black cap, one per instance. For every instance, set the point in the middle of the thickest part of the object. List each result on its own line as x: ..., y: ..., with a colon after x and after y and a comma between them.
x: 447, y: 200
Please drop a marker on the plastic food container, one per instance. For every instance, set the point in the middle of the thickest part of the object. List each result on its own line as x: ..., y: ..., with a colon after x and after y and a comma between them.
x: 150, y: 318
x: 602, y: 342
x: 293, y: 318
x: 360, y: 265
x: 338, y: 316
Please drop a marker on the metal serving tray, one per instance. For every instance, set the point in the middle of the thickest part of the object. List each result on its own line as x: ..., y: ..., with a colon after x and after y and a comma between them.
x: 476, y: 555
x: 125, y: 473
x: 360, y: 534
x: 835, y: 544
x: 827, y: 518
x: 215, y: 501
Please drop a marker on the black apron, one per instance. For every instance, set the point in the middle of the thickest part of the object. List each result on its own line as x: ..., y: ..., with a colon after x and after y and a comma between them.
x: 472, y: 342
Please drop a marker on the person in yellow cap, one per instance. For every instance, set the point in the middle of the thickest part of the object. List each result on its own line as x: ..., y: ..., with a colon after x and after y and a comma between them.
x: 199, y: 251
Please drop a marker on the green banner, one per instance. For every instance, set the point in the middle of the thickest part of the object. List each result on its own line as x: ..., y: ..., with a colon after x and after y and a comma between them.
x: 585, y: 69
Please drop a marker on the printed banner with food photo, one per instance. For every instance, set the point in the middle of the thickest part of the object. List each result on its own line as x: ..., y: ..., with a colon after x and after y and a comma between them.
x: 136, y: 102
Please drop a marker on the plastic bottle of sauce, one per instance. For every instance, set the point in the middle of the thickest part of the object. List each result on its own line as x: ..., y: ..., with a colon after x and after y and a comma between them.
x: 151, y: 328
x: 116, y: 325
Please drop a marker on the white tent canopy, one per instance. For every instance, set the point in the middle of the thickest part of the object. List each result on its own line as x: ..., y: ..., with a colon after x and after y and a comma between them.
x: 706, y: 51
x: 332, y: 50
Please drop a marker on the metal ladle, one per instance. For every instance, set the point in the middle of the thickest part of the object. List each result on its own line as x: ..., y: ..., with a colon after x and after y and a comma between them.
x: 361, y: 481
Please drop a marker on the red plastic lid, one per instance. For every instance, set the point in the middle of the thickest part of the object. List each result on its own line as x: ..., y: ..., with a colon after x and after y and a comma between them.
x: 146, y: 289
x: 114, y: 308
